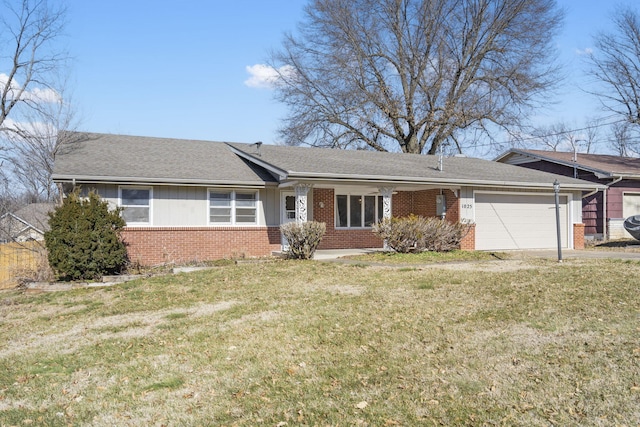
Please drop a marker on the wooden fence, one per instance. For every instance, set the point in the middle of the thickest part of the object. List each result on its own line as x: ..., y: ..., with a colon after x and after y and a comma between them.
x: 19, y: 261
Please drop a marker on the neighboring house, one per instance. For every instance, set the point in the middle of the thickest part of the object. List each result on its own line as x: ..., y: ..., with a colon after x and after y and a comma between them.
x: 603, y: 211
x: 195, y: 200
x: 27, y: 223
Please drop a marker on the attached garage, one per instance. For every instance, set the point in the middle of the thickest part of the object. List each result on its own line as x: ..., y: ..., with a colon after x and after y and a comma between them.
x: 519, y: 221
x: 630, y: 204
x: 630, y: 207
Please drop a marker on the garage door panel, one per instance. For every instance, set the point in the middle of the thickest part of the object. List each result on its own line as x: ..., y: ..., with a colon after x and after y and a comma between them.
x: 630, y: 207
x: 517, y: 221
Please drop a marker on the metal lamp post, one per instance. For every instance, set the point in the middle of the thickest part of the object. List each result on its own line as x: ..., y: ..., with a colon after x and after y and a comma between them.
x: 556, y: 190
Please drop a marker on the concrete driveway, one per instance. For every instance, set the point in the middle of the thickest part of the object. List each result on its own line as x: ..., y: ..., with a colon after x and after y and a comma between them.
x: 579, y: 254
x: 522, y: 254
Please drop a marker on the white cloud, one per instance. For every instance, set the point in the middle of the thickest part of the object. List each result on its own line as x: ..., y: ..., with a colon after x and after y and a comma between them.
x: 29, y: 127
x: 585, y: 51
x: 44, y: 95
x: 9, y: 124
x: 5, y: 78
x: 265, y: 76
x: 36, y: 95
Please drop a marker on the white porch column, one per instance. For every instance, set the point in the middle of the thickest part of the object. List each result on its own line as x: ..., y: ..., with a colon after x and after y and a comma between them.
x: 386, y: 193
x: 301, y: 202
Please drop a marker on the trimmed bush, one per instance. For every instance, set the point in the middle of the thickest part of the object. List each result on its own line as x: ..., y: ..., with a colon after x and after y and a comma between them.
x: 442, y: 236
x: 416, y: 234
x: 401, y: 234
x: 303, y: 238
x: 84, y: 238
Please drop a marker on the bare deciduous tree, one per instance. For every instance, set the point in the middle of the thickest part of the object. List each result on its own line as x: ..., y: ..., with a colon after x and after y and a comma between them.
x: 591, y: 135
x: 625, y: 139
x: 29, y: 55
x: 554, y: 137
x: 408, y: 75
x: 32, y: 146
x: 32, y: 108
x: 615, y: 63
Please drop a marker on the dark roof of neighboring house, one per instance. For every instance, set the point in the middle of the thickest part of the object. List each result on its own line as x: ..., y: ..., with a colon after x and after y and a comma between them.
x: 90, y: 157
x: 127, y: 159
x: 604, y: 165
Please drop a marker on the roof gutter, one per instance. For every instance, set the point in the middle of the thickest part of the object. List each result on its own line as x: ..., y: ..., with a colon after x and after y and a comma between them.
x: 83, y: 179
x: 435, y: 181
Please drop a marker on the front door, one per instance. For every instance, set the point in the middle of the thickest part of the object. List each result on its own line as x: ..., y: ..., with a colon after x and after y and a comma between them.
x: 288, y: 212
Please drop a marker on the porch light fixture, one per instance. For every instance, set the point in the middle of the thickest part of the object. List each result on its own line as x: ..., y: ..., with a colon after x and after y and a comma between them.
x: 556, y: 190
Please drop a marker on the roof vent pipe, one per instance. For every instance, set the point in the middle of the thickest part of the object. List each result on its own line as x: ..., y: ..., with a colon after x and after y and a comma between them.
x: 440, y: 155
x: 575, y: 156
x: 258, y: 145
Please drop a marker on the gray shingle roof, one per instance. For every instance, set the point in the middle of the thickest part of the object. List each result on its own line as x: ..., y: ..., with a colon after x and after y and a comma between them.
x: 33, y: 216
x: 36, y: 214
x: 94, y: 157
x: 304, y: 162
x: 122, y: 158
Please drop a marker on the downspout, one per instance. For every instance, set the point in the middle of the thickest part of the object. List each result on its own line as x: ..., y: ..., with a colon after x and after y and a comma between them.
x: 605, y: 226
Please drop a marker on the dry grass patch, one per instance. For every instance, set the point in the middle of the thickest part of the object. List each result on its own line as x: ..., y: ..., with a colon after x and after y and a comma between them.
x: 429, y: 257
x: 307, y: 343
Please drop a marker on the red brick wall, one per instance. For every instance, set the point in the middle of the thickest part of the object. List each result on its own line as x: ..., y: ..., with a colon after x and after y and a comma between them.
x: 578, y: 236
x: 403, y: 203
x: 152, y: 246
x: 157, y: 245
x: 468, y: 242
x: 423, y: 203
x: 339, y: 239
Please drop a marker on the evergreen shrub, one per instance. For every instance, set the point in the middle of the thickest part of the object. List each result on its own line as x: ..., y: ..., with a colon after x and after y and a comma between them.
x: 84, y: 240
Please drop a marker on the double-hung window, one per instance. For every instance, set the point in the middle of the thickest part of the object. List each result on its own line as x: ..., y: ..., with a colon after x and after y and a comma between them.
x: 233, y: 207
x: 136, y: 204
x: 358, y: 211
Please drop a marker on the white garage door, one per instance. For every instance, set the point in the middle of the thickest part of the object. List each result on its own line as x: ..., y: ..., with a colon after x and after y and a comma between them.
x: 630, y: 207
x: 519, y: 221
x: 630, y: 204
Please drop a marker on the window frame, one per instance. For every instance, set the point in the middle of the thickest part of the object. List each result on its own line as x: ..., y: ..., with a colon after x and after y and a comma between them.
x: 233, y: 207
x: 149, y: 205
x: 378, y: 214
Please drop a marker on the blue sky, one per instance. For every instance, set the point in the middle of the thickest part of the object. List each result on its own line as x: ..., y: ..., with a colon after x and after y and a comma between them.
x: 179, y: 69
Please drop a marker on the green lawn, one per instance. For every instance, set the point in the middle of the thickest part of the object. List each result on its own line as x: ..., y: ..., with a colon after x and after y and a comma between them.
x: 531, y: 343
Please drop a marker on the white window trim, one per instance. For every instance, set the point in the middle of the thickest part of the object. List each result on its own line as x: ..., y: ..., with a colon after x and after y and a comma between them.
x: 233, y: 208
x: 137, y: 187
x: 377, y: 214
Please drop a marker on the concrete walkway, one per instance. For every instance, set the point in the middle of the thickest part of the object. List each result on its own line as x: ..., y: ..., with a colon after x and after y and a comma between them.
x: 328, y: 254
